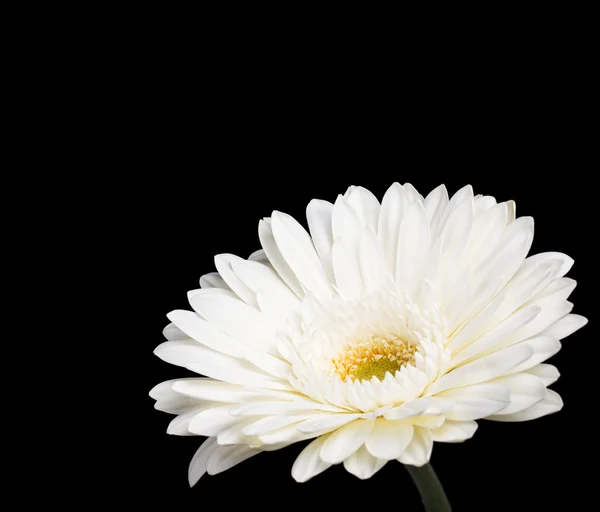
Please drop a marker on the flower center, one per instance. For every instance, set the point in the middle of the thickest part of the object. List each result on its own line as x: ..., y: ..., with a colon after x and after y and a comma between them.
x: 374, y: 357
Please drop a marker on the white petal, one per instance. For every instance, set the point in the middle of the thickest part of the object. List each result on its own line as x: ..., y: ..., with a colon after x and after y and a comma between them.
x: 224, y: 262
x: 454, y: 431
x: 497, y: 269
x: 551, y: 311
x: 174, y: 403
x: 373, y: 267
x: 566, y: 262
x: 511, y: 250
x: 163, y: 390
x: 179, y: 406
x: 234, y: 434
x: 260, y: 257
x: 435, y: 200
x: 211, y: 421
x: 346, y: 225
x: 257, y: 276
x: 488, y: 228
x: 413, y: 408
x: 207, y: 334
x: 347, y: 271
x: 284, y: 435
x: 180, y: 352
x: 550, y: 267
x: 477, y: 401
x: 237, y: 319
x: 520, y: 289
x: 436, y: 204
x: 412, y: 194
x: 437, y: 406
x: 267, y: 240
x: 270, y: 423
x: 216, y: 291
x: 496, y: 336
x: 171, y: 332
x: 525, y: 390
x: 225, y: 457
x: 346, y: 440
x: 559, y: 288
x: 485, y: 368
x: 550, y: 404
x: 274, y: 407
x: 366, y: 205
x: 388, y: 439
x: 547, y: 373
x: 309, y: 463
x: 543, y: 347
x: 362, y: 464
x: 566, y: 326
x: 299, y: 252
x: 200, y: 459
x: 277, y: 311
x: 484, y: 202
x: 205, y: 361
x: 274, y: 447
x: 209, y: 389
x: 390, y: 217
x: 512, y: 212
x: 418, y: 452
x: 462, y: 193
x: 457, y: 230
x: 326, y: 423
x: 430, y: 422
x: 270, y: 364
x: 213, y: 280
x: 413, y: 247
x: 502, y: 263
x: 179, y: 425
x: 318, y: 214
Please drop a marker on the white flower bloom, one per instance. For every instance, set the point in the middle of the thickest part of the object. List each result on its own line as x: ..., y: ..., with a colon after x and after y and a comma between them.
x: 388, y: 327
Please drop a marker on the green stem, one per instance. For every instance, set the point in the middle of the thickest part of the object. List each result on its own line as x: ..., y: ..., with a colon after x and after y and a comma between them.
x: 431, y: 490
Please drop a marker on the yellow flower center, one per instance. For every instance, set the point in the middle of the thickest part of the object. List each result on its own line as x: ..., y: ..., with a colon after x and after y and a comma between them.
x: 373, y: 357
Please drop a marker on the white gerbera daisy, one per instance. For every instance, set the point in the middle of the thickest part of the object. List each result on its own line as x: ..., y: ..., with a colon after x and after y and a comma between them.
x: 387, y: 328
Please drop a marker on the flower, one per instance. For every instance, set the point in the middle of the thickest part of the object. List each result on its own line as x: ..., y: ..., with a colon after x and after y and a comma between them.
x: 388, y: 327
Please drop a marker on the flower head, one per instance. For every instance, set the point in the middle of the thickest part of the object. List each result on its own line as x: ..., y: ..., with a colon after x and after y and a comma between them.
x: 388, y: 327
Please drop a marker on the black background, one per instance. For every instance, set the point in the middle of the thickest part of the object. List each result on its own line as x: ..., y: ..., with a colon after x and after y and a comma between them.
x: 184, y: 222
